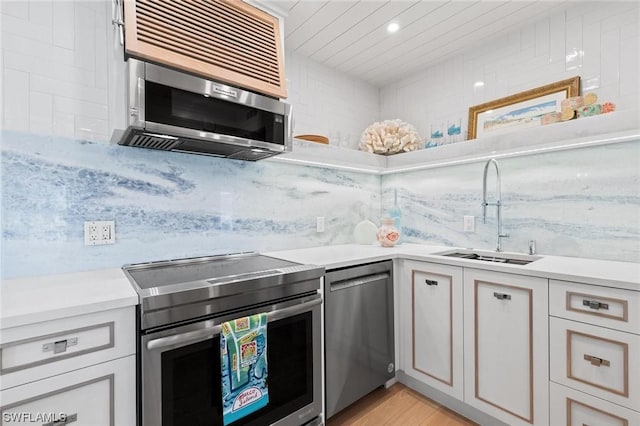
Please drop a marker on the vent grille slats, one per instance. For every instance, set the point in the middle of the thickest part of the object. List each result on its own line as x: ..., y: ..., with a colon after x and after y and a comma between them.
x: 225, y: 40
x: 153, y: 142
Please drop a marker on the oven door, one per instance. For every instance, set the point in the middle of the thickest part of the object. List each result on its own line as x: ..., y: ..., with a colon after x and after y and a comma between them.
x: 181, y: 378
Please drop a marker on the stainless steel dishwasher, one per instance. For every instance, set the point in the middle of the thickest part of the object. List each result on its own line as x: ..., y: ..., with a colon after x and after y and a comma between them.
x: 359, y: 340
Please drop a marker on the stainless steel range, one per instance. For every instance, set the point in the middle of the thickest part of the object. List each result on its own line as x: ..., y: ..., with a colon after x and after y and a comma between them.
x: 182, y: 306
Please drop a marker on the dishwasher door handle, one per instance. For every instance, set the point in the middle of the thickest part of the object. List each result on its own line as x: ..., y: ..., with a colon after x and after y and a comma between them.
x: 352, y: 282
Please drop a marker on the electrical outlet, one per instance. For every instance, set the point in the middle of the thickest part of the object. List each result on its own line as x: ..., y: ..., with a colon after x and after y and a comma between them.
x: 320, y: 224
x: 99, y: 232
x: 469, y: 224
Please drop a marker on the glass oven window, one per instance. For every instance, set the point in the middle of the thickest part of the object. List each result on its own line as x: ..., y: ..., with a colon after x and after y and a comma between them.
x: 167, y: 105
x: 191, y: 382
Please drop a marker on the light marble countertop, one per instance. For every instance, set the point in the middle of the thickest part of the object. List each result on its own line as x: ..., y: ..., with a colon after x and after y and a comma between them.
x: 29, y: 300
x: 589, y: 271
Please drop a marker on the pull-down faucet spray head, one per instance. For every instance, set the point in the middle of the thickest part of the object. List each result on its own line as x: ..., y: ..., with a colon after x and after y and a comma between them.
x: 484, y: 188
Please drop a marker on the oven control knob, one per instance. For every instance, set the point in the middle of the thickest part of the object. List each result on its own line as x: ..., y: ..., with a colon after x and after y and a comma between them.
x: 390, y: 368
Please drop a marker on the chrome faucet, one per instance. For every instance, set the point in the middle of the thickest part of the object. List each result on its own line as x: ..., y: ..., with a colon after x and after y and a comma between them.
x: 497, y: 203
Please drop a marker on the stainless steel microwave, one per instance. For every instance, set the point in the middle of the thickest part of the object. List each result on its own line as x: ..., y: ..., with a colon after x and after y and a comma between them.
x: 175, y: 111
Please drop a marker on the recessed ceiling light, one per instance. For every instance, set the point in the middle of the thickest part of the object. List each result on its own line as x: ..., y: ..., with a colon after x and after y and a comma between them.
x: 393, y: 27
x: 478, y: 84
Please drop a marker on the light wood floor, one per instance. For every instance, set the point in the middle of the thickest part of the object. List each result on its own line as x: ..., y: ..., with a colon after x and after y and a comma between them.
x: 399, y: 406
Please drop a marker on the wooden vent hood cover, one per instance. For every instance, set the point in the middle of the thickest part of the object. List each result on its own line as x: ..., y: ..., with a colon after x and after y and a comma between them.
x: 225, y: 40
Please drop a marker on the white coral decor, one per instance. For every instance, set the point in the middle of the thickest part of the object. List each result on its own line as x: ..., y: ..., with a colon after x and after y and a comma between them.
x: 390, y: 137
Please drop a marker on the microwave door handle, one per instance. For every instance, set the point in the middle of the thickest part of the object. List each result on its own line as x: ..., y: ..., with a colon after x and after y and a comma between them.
x: 207, y: 333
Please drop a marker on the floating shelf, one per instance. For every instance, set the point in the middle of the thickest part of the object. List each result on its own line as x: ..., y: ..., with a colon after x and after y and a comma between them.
x: 615, y: 127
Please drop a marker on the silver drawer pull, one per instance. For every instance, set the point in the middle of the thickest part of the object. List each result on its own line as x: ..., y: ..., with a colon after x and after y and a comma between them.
x: 60, y: 346
x: 502, y: 296
x: 597, y: 361
x: 594, y: 304
x: 64, y: 420
x: 431, y: 282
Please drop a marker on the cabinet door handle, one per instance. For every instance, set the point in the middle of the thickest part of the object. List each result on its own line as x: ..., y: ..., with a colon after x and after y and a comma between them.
x: 502, y: 296
x: 594, y: 304
x: 64, y: 420
x: 431, y: 282
x: 594, y: 360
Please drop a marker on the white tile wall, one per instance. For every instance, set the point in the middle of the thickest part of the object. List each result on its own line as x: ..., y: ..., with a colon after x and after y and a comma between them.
x: 328, y: 102
x: 54, y: 67
x: 62, y: 72
x: 598, y: 41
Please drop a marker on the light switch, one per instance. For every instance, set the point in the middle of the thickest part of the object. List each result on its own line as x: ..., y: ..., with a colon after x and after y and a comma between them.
x: 469, y: 224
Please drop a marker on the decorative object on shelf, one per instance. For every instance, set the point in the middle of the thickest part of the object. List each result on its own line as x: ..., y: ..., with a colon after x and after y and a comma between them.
x: 521, y: 110
x: 390, y: 137
x: 439, y: 136
x: 436, y: 137
x: 314, y: 138
x: 454, y: 131
x: 578, y: 107
x: 396, y: 214
x: 388, y: 235
x: 365, y: 232
x: 579, y: 101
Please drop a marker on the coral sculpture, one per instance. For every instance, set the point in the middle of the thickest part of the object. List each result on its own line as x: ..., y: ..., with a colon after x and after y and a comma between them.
x: 390, y: 137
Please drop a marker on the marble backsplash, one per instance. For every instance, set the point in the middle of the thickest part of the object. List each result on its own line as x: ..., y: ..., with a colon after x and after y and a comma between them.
x: 580, y: 203
x: 165, y: 205
x: 583, y: 202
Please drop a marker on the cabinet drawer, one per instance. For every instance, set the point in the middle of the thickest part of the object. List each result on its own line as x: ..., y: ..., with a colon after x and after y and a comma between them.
x: 596, y: 360
x: 602, y: 306
x: 573, y: 408
x: 100, y: 395
x: 35, y: 351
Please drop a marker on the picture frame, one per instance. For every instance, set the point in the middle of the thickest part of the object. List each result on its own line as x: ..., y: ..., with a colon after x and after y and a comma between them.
x: 521, y: 110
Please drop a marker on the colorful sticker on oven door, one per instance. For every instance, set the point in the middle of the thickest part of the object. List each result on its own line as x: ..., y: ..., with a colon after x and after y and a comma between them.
x: 244, y: 366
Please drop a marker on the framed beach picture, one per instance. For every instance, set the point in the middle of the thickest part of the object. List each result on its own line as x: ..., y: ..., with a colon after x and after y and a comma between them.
x: 522, y: 110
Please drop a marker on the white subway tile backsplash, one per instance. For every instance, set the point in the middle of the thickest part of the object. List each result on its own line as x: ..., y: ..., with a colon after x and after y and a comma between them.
x: 64, y: 24
x: 40, y: 113
x: 16, y: 100
x: 542, y: 37
x: 557, y: 33
x: 569, y: 43
x: 61, y: 88
x: 25, y: 28
x: 75, y: 106
x: 629, y: 66
x: 610, y: 64
x: 48, y: 68
x: 37, y: 49
x: 328, y: 102
x: 15, y: 8
x: 574, y: 51
x: 91, y: 129
x: 63, y: 124
x: 41, y: 12
x: 85, y: 38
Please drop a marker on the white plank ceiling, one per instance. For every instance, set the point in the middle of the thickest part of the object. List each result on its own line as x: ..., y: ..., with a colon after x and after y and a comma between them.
x: 352, y: 36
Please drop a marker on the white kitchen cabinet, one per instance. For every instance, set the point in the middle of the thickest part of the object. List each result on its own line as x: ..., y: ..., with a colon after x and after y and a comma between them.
x: 80, y: 368
x: 596, y: 360
x: 431, y: 306
x: 43, y: 349
x: 506, y: 348
x: 100, y: 395
x: 573, y: 408
x: 594, y: 338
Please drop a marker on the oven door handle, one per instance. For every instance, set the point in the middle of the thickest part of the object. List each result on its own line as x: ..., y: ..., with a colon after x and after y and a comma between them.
x: 215, y: 330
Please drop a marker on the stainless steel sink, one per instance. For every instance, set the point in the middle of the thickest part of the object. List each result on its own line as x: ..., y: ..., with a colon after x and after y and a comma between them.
x: 490, y: 256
